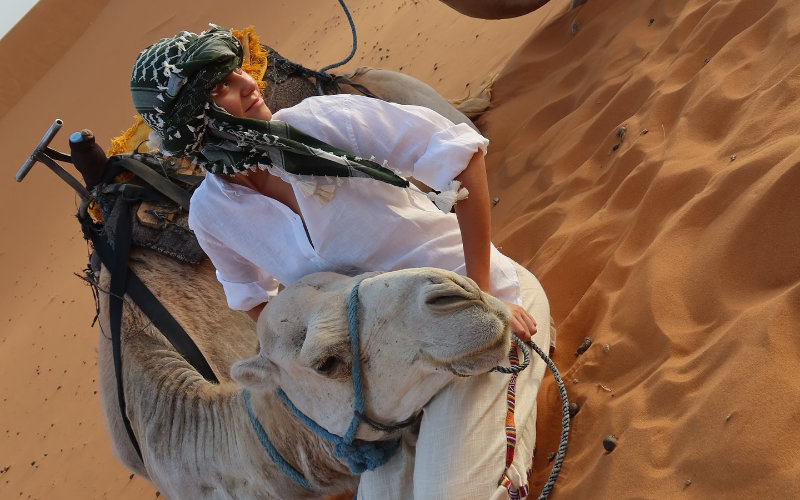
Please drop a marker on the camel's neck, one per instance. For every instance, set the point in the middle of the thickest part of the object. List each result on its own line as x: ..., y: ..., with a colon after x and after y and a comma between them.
x: 204, y: 430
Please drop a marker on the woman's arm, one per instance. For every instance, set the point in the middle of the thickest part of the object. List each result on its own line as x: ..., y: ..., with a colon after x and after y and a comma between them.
x: 474, y: 219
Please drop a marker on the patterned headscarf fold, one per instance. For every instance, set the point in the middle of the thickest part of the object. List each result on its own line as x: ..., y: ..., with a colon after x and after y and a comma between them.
x: 170, y: 87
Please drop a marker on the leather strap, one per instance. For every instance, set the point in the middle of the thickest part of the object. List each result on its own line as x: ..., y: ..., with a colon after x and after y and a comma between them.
x: 124, y: 281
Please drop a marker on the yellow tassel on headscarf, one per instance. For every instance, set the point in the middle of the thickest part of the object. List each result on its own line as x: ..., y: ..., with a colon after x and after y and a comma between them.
x: 254, y: 61
x: 130, y: 139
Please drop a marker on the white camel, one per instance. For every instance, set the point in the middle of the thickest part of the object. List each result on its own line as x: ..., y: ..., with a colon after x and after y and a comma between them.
x: 401, y: 88
x: 418, y: 330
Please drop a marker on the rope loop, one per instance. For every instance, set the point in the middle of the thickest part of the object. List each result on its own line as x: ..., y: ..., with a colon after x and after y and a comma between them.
x: 562, y: 391
x: 526, y: 359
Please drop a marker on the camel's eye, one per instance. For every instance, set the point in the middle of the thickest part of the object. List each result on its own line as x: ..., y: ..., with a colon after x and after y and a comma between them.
x: 328, y: 365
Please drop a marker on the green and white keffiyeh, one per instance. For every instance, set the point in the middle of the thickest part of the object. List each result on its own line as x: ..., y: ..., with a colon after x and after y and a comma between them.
x: 170, y: 87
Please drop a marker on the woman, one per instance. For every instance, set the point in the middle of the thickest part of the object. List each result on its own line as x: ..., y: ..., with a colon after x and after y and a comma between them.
x: 279, y: 203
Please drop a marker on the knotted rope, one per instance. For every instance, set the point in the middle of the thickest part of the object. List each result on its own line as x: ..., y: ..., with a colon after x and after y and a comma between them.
x: 515, y: 368
x: 361, y: 457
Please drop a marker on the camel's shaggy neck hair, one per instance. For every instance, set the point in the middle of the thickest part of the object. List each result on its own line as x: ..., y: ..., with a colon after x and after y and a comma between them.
x: 182, y: 421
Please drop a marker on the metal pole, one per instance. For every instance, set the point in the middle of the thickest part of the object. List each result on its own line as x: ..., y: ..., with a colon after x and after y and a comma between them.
x: 48, y: 136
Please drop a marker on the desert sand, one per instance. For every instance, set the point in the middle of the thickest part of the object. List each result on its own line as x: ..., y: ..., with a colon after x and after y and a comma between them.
x: 645, y: 160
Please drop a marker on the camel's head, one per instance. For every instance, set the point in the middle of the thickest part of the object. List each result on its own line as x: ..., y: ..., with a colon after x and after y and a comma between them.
x: 418, y: 330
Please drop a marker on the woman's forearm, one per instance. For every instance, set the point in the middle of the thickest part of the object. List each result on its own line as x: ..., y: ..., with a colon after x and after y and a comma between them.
x: 474, y: 219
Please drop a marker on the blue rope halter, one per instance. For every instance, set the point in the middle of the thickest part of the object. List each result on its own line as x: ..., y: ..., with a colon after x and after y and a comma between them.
x: 359, y: 456
x: 362, y: 456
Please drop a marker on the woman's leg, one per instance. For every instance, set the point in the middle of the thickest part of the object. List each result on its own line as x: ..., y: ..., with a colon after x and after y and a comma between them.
x: 461, y: 449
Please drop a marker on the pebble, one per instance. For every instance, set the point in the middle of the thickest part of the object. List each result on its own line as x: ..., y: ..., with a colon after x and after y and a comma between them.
x: 610, y: 442
x: 587, y: 342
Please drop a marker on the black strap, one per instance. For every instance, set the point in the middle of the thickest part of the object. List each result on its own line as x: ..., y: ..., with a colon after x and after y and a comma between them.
x: 151, y: 306
x: 118, y: 268
x: 168, y: 326
x: 153, y: 178
x: 123, y: 280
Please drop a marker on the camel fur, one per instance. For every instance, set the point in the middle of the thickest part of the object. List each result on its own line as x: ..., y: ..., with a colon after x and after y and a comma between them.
x: 419, y: 329
x: 401, y: 88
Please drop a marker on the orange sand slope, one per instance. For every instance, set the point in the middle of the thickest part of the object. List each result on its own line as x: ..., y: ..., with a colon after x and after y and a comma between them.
x: 645, y: 158
x: 674, y: 247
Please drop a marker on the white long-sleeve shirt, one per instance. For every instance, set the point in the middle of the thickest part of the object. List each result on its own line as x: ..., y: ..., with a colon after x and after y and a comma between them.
x: 256, y: 242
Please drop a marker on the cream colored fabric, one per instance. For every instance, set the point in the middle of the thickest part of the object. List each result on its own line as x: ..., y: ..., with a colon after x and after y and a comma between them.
x: 461, y: 448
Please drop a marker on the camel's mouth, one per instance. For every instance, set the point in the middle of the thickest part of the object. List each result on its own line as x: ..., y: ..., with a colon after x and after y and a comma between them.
x: 472, y: 332
x: 476, y: 361
x: 484, y: 359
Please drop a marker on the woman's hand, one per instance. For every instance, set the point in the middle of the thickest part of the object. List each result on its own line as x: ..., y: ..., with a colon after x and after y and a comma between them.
x: 522, y: 323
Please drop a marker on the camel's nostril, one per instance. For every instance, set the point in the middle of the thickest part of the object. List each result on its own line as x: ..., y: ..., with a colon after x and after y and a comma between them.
x: 449, y: 296
x: 444, y: 300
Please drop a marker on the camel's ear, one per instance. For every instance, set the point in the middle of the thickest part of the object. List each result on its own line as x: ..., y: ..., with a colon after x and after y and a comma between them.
x: 252, y: 373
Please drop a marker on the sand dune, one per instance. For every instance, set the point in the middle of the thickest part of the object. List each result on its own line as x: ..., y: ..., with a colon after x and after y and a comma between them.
x: 674, y: 247
x: 645, y: 157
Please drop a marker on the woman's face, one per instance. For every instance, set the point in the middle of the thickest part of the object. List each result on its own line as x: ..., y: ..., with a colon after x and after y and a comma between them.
x: 238, y: 94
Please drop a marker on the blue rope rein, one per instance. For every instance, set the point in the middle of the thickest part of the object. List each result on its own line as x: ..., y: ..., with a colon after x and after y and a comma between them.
x: 562, y: 445
x: 324, y: 70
